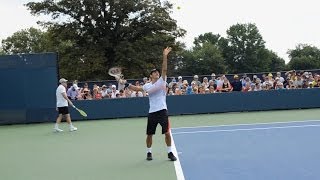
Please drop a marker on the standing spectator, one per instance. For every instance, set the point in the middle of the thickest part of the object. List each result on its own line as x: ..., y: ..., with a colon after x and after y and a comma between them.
x: 73, y: 92
x: 236, y: 84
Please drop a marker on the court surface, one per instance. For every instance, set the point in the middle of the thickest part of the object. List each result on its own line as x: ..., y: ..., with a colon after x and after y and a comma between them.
x: 115, y: 149
x: 262, y: 151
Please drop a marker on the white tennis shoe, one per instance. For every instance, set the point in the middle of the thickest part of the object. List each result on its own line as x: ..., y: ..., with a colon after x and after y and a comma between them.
x: 72, y: 128
x: 57, y: 129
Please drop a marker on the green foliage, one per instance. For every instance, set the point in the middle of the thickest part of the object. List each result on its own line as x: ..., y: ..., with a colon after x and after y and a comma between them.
x: 26, y: 41
x: 107, y: 33
x: 304, y: 57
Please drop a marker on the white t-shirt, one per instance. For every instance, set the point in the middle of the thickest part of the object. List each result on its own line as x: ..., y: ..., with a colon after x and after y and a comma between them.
x: 157, y: 95
x: 61, y: 101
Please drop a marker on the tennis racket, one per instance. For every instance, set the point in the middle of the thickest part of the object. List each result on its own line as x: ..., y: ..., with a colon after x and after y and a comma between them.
x: 82, y: 113
x: 117, y: 73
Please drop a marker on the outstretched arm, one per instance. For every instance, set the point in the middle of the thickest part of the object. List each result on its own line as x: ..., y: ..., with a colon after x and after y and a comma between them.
x: 166, y: 51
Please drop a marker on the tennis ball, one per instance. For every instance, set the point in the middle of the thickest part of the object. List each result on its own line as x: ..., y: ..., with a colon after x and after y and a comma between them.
x: 178, y: 7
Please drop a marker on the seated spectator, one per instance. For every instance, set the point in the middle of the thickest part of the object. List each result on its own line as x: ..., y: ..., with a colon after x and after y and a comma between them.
x: 212, y: 89
x: 104, y: 92
x: 213, y: 77
x: 114, y: 91
x: 196, y: 80
x: 279, y: 86
x: 213, y: 84
x: 145, y: 80
x: 136, y: 94
x: 236, y: 84
x: 180, y: 82
x: 318, y: 84
x: 86, y: 95
x: 201, y: 90
x: 205, y: 83
x: 226, y: 86
x: 247, y: 87
x: 97, y: 93
x: 177, y: 91
x: 258, y: 87
x: 281, y: 79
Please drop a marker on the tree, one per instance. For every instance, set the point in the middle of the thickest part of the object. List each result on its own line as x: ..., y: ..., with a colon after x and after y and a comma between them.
x: 111, y: 33
x: 244, y: 44
x: 30, y: 40
x: 304, y: 57
x: 202, y: 60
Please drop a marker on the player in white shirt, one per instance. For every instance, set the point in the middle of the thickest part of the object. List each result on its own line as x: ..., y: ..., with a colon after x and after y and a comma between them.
x: 62, y: 106
x: 158, y: 113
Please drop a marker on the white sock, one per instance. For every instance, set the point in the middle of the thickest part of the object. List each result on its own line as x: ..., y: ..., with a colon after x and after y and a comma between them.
x: 149, y: 150
x: 56, y: 126
x: 71, y: 125
x: 169, y: 149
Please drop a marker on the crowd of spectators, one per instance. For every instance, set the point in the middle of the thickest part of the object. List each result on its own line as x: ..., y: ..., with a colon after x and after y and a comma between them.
x: 204, y: 85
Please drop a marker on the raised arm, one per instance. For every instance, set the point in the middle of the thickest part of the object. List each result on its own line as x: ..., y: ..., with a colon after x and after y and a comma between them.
x: 166, y: 51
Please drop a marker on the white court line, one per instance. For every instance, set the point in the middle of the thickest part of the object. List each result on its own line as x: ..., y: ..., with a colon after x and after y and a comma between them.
x: 246, y: 129
x: 177, y: 165
x: 253, y: 124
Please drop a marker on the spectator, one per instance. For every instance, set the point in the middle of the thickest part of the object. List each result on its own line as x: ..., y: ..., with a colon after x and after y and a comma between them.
x: 236, y: 84
x: 104, y: 92
x: 201, y: 90
x: 205, y: 83
x: 196, y: 80
x: 114, y: 91
x: 226, y: 86
x: 136, y: 94
x: 180, y: 82
x: 86, y: 95
x: 318, y: 84
x: 97, y: 93
x: 145, y: 80
x: 258, y: 87
x: 247, y: 87
x: 122, y: 94
x: 172, y: 83
x: 213, y: 77
x: 211, y: 89
x: 281, y: 79
x: 73, y: 92
x: 213, y: 84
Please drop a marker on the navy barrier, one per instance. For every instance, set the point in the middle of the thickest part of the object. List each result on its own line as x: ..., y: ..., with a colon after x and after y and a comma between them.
x: 28, y: 84
x: 202, y: 103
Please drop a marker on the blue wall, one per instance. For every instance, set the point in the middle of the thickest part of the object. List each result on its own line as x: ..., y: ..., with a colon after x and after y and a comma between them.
x: 28, y: 87
x: 207, y: 103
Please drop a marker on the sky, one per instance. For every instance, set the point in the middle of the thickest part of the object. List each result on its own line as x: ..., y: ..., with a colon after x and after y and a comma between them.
x: 282, y: 23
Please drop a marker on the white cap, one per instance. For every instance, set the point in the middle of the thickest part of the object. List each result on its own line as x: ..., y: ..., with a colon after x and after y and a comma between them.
x: 63, y: 80
x: 113, y: 86
x: 213, y: 74
x: 180, y: 77
x: 195, y: 76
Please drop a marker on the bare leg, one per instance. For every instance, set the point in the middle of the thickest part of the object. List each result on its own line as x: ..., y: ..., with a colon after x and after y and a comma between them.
x: 168, y: 138
x: 149, y: 141
x: 68, y: 118
x: 59, y: 119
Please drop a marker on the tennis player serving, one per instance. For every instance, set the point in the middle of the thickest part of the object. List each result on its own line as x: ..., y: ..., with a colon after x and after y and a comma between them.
x: 158, y: 114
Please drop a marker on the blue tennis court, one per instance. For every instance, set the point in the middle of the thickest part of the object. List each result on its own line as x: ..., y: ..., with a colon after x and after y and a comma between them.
x: 284, y: 150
